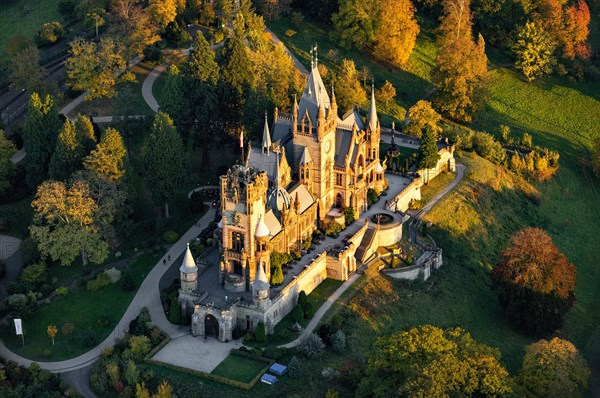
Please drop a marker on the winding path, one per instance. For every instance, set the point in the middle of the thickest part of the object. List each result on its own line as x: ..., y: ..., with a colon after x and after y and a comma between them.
x: 148, y: 295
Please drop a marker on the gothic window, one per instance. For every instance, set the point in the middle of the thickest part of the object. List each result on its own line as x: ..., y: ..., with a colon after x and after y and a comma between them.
x: 237, y: 241
x: 302, y: 173
x: 307, y: 173
x: 338, y: 178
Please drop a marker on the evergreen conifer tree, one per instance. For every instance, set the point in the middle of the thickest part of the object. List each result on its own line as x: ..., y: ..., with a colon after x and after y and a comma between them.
x: 107, y: 160
x: 165, y: 159
x: 428, y: 152
x: 39, y: 137
x: 237, y: 70
x: 201, y: 64
x: 7, y: 150
x: 172, y: 94
x: 66, y: 157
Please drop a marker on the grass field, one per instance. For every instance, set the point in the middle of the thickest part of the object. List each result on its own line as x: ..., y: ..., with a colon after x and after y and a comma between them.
x: 436, y: 185
x: 239, y: 368
x: 22, y: 17
x: 96, y: 311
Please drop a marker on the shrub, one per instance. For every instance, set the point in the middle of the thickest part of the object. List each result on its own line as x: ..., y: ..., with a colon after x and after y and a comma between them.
x: 102, y: 279
x: 152, y: 53
x: 61, y: 291
x: 312, y: 346
x: 46, y: 353
x: 49, y: 33
x: 349, y: 215
x: 372, y: 196
x: 176, y: 35
x: 277, y: 276
x: 171, y: 236
x: 336, y: 321
x: 325, y: 331
x: 338, y: 342
x: 302, y: 298
x: 333, y: 228
x: 29, y: 251
x: 297, y: 313
x: 273, y: 353
x: 219, y: 36
x: 127, y: 281
x: 2, y: 269
x: 260, y: 333
x: 113, y: 274
x: 139, y: 345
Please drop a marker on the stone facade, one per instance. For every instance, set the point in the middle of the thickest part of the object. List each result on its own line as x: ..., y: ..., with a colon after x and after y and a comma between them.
x: 313, y: 166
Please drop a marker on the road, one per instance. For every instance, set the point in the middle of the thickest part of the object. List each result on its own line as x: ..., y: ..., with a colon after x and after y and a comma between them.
x: 147, y: 296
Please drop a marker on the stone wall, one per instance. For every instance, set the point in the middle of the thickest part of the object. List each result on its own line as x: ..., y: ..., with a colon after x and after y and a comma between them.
x: 425, y: 264
x: 403, y: 199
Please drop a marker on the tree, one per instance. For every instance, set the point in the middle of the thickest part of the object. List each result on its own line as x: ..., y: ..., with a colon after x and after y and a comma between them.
x: 460, y: 77
x: 576, y: 30
x: 201, y: 64
x: 133, y: 27
x: 66, y: 158
x: 397, y: 31
x: 84, y: 133
x: 422, y: 116
x: 25, y: 70
x: 63, y: 223
x: 34, y: 274
x: 95, y: 68
x: 39, y: 137
x: 141, y: 391
x: 95, y: 18
x: 165, y: 160
x: 277, y: 276
x: 456, y: 22
x: 385, y: 93
x: 430, y: 362
x: 595, y: 158
x: 175, y: 311
x: 139, y: 346
x: 553, y: 369
x: 49, y: 33
x: 260, y: 333
x: 535, y: 282
x: 354, y: 23
x: 236, y: 68
x: 107, y: 160
x: 7, y: 150
x: 132, y: 373
x: 172, y: 94
x: 534, y: 50
x: 52, y: 331
x: 311, y: 346
x: 163, y: 11
x: 348, y: 90
x: 428, y: 152
x: 164, y: 390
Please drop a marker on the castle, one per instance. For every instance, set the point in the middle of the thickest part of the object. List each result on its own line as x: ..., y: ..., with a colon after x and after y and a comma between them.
x: 313, y: 167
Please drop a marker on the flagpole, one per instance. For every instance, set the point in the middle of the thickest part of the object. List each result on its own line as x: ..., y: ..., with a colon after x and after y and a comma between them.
x: 242, y: 144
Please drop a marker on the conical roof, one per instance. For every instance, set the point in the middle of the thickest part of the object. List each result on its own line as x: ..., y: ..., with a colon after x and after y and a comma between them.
x: 189, y: 265
x: 261, y: 282
x: 266, y: 141
x: 372, y: 118
x: 262, y: 230
x: 314, y: 95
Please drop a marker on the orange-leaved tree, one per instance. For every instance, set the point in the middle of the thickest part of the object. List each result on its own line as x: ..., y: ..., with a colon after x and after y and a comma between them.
x: 535, y: 281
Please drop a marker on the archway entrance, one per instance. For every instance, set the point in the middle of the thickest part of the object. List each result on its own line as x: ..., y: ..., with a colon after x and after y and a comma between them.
x: 338, y: 201
x: 211, y: 326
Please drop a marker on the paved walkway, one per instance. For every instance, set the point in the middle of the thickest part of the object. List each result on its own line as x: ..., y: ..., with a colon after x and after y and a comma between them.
x: 147, y: 296
x: 322, y: 311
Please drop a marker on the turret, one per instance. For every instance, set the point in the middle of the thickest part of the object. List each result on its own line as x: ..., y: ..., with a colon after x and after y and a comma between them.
x: 295, y: 115
x: 260, y: 287
x: 372, y: 117
x: 188, y: 272
x: 334, y: 109
x: 263, y: 247
x: 321, y: 121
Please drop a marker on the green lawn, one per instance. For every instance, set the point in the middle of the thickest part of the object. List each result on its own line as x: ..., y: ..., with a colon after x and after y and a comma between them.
x: 23, y: 17
x: 239, y: 368
x: 435, y: 186
x: 97, y: 311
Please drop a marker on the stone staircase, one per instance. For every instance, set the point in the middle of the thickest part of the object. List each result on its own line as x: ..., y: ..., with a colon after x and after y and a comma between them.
x: 365, y: 244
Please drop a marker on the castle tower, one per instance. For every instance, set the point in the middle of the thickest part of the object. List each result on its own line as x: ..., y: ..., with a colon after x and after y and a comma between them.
x: 188, y: 272
x: 260, y: 288
x: 263, y: 249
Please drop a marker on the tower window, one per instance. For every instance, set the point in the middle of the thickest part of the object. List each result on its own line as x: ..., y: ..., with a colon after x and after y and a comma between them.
x: 237, y: 241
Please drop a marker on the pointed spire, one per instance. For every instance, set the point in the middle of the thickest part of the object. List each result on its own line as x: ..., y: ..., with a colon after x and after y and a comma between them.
x: 372, y: 118
x: 261, y: 282
x: 189, y: 265
x: 262, y: 231
x: 276, y: 175
x: 266, y: 141
x: 305, y: 158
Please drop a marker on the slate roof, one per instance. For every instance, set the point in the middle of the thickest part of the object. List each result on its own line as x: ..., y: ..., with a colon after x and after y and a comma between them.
x: 313, y: 95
